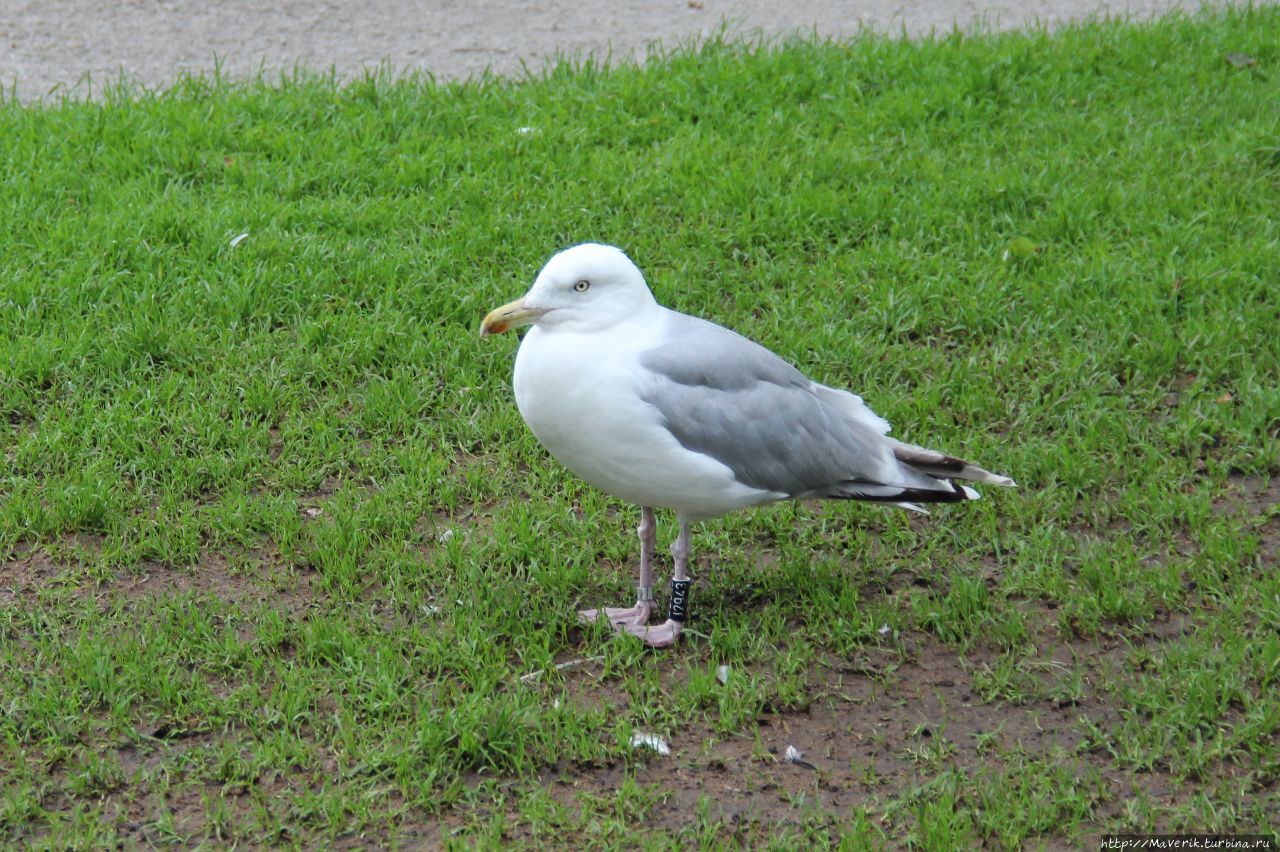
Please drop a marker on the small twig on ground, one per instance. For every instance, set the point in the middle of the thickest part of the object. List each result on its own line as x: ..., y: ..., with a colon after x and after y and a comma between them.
x: 535, y: 676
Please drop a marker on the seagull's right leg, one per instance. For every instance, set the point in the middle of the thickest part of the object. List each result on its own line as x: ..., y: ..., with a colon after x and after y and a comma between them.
x: 637, y: 615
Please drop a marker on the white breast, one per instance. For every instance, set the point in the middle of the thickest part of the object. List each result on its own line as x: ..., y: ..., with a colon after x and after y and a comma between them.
x: 581, y: 398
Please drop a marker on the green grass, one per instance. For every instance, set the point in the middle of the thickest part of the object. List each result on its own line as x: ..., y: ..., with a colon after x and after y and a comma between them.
x: 275, y: 547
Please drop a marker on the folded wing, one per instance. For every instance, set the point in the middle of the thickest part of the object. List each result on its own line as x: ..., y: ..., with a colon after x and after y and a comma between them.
x: 733, y: 400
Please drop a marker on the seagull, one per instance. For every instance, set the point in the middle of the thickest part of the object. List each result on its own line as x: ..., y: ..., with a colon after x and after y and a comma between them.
x: 668, y: 411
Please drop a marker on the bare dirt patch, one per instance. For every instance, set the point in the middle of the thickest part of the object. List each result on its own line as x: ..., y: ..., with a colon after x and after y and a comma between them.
x: 882, y: 725
x: 1254, y: 500
x: 878, y: 728
x: 240, y: 577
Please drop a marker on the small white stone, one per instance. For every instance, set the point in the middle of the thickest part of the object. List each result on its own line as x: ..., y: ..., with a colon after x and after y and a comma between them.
x: 884, y: 630
x: 722, y: 674
x: 444, y: 537
x: 642, y: 740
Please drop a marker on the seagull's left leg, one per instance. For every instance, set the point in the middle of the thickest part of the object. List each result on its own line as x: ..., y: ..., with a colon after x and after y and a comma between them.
x: 638, y: 614
x: 665, y: 634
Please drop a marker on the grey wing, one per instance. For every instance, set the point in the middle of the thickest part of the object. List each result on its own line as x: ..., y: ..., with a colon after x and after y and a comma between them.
x: 729, y: 398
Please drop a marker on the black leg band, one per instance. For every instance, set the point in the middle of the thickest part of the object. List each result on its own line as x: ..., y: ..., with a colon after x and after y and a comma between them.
x: 679, y: 607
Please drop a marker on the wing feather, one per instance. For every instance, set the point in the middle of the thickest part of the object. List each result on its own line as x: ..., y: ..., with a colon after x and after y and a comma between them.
x: 734, y: 400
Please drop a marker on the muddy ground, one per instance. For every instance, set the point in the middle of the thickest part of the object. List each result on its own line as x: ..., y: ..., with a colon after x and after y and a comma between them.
x: 877, y: 728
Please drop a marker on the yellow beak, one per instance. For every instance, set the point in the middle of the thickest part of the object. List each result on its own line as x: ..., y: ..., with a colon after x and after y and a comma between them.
x: 509, y: 316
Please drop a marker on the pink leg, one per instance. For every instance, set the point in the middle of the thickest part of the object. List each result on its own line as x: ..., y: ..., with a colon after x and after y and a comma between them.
x: 638, y: 614
x: 665, y: 634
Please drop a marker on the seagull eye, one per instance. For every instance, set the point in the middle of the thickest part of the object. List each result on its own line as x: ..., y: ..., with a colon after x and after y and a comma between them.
x: 582, y: 286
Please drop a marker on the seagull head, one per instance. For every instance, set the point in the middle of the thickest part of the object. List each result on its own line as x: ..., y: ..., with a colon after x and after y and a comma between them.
x: 587, y: 287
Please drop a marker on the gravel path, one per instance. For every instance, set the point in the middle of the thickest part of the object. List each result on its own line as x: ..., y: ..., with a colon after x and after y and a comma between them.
x: 77, y: 45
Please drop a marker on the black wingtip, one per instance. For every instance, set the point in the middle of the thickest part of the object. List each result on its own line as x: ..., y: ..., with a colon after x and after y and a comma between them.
x: 958, y: 494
